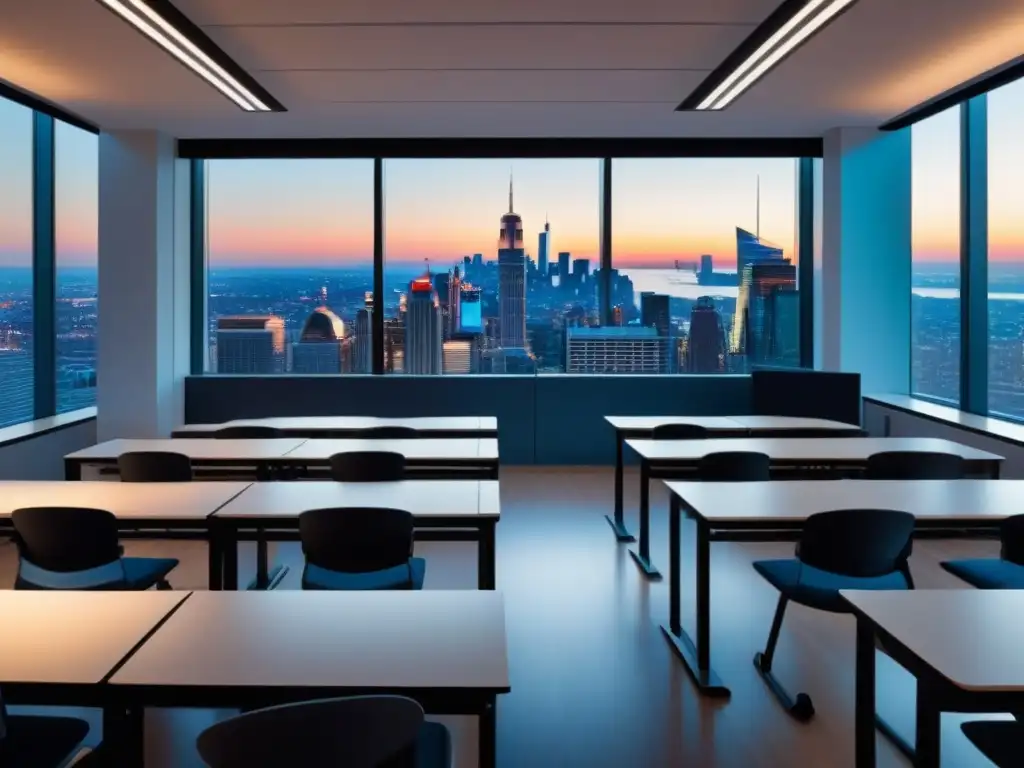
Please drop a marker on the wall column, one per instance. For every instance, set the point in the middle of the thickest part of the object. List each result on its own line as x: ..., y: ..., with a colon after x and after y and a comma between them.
x: 863, y: 292
x: 143, y: 344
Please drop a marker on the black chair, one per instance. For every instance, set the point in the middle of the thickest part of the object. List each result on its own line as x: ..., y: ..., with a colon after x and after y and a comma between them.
x: 77, y: 548
x: 679, y: 432
x: 355, y: 732
x: 734, y: 466
x: 841, y: 549
x: 1004, y: 572
x: 34, y: 741
x: 1001, y: 741
x: 914, y: 465
x: 248, y: 432
x: 154, y: 467
x: 388, y: 433
x: 359, y: 548
x: 367, y: 467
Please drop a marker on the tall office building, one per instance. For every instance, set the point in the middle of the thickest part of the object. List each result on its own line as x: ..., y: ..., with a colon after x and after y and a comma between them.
x: 629, y: 349
x: 544, y: 242
x: 250, y: 344
x: 511, y: 279
x: 782, y: 324
x: 707, y: 265
x: 563, y: 269
x: 705, y: 349
x: 423, y: 332
x: 362, y: 355
x: 755, y: 310
x: 581, y: 270
x: 454, y: 304
x: 654, y: 313
x: 470, y: 310
x: 322, y: 346
x: 478, y: 261
x: 751, y: 248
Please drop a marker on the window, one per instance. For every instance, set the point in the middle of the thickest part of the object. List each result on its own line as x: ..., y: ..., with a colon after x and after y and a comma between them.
x: 492, y: 266
x: 705, y: 263
x: 17, y: 399
x: 935, y: 265
x: 1006, y: 250
x: 290, y: 266
x: 76, y: 194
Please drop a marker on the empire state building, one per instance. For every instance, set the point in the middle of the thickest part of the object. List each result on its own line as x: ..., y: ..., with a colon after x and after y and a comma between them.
x: 511, y: 279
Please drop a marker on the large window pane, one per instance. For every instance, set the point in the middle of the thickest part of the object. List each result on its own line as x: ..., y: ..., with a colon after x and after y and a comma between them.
x: 935, y: 271
x: 704, y: 257
x: 491, y: 264
x: 76, y: 198
x: 16, y: 371
x: 1006, y: 250
x: 290, y: 265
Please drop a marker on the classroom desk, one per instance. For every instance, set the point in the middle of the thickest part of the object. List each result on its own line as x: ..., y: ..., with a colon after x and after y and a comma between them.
x: 56, y: 648
x: 442, y: 458
x: 962, y: 645
x: 204, y: 453
x: 777, y: 510
x: 354, y: 426
x: 642, y: 427
x: 447, y: 650
x: 445, y: 510
x: 666, y: 459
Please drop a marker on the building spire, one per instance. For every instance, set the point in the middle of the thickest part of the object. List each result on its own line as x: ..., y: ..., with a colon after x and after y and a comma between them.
x: 547, y: 227
x: 510, y: 208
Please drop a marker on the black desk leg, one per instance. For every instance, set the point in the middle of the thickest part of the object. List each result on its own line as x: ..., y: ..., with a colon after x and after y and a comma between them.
x: 229, y: 546
x: 928, y: 732
x: 488, y: 736
x: 215, y: 565
x: 643, y: 556
x: 618, y: 523
x: 696, y: 656
x: 864, y: 713
x: 123, y: 737
x: 72, y: 470
x: 485, y: 557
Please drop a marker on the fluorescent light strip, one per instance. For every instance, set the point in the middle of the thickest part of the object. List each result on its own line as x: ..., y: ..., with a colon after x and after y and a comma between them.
x: 764, y: 49
x: 823, y: 18
x: 198, y: 53
x: 238, y: 95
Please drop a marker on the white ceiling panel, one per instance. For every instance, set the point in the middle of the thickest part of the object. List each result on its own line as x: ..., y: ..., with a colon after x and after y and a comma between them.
x: 478, y: 47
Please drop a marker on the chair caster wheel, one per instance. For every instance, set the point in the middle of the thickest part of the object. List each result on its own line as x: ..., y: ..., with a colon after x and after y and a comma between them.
x: 803, y: 708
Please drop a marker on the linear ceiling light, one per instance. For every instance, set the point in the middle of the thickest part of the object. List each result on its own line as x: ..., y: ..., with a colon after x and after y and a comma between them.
x: 789, y: 27
x: 167, y: 27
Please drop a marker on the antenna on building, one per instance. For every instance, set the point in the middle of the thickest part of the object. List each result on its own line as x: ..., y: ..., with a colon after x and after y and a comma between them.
x: 510, y: 208
x: 758, y: 231
x: 426, y: 261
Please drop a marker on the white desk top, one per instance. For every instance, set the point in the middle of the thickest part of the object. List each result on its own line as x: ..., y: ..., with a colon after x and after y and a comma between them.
x: 368, y: 640
x: 203, y: 449
x: 74, y: 637
x: 795, y: 500
x: 328, y: 423
x: 127, y: 501
x: 713, y: 423
x: 414, y: 449
x: 792, y: 422
x: 423, y: 498
x: 972, y: 637
x: 803, y: 448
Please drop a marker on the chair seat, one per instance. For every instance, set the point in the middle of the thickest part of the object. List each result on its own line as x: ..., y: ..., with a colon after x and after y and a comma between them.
x: 40, y: 742
x: 988, y: 573
x: 314, y: 577
x: 1001, y: 741
x: 145, y: 572
x: 813, y: 587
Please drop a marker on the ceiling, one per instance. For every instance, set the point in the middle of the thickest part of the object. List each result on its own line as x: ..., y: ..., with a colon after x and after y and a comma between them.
x: 396, y: 68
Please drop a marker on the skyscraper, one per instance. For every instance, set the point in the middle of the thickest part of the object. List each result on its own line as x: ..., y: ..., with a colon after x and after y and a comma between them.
x: 563, y: 269
x: 755, y: 309
x: 362, y: 358
x: 654, y: 313
x: 614, y: 350
x: 511, y: 279
x: 705, y: 352
x: 471, y: 311
x: 707, y: 265
x: 544, y: 242
x: 751, y: 248
x: 454, y: 303
x: 250, y: 344
x: 423, y: 337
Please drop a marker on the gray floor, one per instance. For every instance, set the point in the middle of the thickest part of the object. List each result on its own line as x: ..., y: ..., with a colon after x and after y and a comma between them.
x: 594, y: 683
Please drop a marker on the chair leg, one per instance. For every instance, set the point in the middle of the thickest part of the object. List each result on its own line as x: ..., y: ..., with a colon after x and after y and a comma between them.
x: 800, y: 707
x: 163, y: 585
x: 905, y: 570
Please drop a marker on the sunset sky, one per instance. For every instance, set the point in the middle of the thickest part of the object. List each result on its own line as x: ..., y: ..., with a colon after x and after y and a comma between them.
x: 276, y: 212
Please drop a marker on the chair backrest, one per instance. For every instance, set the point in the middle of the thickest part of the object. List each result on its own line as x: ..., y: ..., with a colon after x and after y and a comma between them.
x: 679, y: 432
x: 247, y: 432
x: 355, y: 732
x: 388, y: 433
x: 1011, y: 536
x: 356, y: 539
x: 154, y: 467
x: 734, y: 466
x: 857, y: 542
x: 65, y: 540
x: 914, y: 465
x: 367, y: 466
